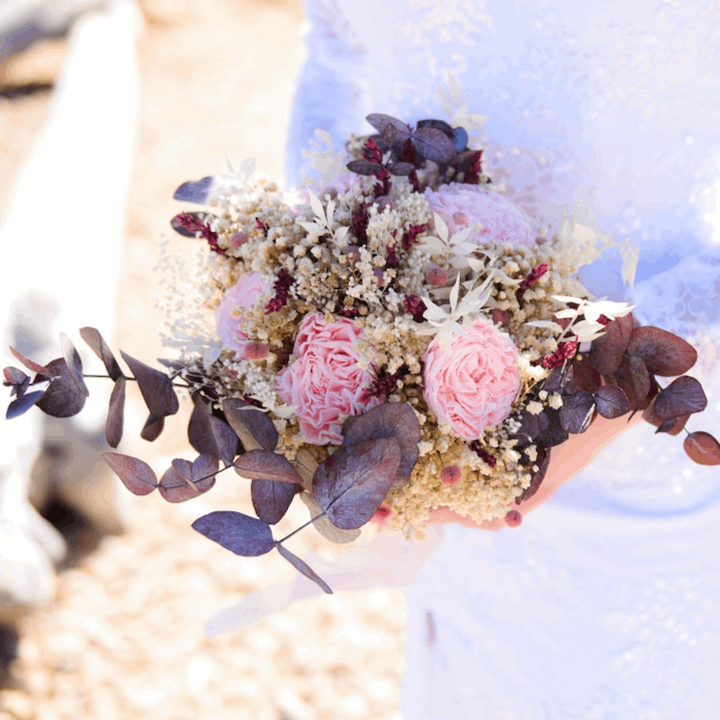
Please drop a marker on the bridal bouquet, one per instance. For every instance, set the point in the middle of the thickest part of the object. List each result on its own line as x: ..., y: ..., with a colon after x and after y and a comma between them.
x: 403, y: 340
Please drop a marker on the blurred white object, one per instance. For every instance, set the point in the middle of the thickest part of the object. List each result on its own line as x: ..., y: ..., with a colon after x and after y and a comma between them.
x: 63, y: 229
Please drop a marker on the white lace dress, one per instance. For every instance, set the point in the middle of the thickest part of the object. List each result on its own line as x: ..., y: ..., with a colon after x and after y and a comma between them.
x: 605, y: 603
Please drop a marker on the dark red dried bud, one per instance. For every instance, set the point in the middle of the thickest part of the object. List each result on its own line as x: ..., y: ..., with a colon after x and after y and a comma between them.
x: 532, y: 278
x: 565, y: 351
x: 411, y: 235
x: 472, y: 174
x: 392, y: 258
x: 371, y: 152
x: 513, y: 518
x: 196, y: 226
x: 383, y: 187
x: 485, y: 456
x: 283, y: 281
x: 604, y: 320
x: 413, y: 179
x: 262, y: 226
x: 415, y: 306
x: 359, y: 223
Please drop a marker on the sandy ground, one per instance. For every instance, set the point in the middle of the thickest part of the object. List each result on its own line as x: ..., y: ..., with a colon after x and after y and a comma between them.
x: 124, y: 638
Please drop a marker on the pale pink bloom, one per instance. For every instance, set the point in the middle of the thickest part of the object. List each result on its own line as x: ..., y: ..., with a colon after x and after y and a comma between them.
x: 461, y: 206
x: 229, y: 317
x: 325, y: 381
x: 473, y: 382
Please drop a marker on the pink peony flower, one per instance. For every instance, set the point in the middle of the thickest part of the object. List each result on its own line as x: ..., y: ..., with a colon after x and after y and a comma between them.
x: 325, y: 380
x: 228, y: 316
x: 461, y: 206
x: 473, y: 382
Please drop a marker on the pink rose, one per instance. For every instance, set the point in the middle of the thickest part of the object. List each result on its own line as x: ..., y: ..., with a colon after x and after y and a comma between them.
x: 229, y: 318
x: 461, y: 206
x: 325, y: 380
x: 473, y: 382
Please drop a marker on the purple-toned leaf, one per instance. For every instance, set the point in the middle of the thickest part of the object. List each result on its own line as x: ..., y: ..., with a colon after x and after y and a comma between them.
x: 438, y: 125
x: 254, y: 428
x: 176, y: 484
x: 607, y: 351
x: 204, y: 470
x: 137, y: 476
x: 400, y: 169
x: 543, y: 463
x: 241, y: 534
x: 14, y: 376
x: 266, y: 465
x: 392, y: 130
x: 577, y: 412
x: 611, y: 402
x: 196, y: 191
x: 323, y: 524
x: 155, y: 386
x: 97, y: 344
x: 116, y: 414
x: 552, y: 432
x: 178, y: 227
x: 625, y: 379
x: 153, y: 428
x: 434, y: 144
x: 531, y: 427
x: 702, y: 448
x: 304, y: 568
x: 23, y: 403
x: 393, y: 419
x: 362, y: 167
x: 43, y: 370
x: 271, y: 499
x: 682, y: 396
x: 558, y: 379
x: 640, y: 378
x: 674, y: 426
x: 582, y: 376
x: 199, y: 431
x: 74, y: 363
x: 62, y: 398
x: 351, y: 484
x: 225, y: 439
x: 664, y: 354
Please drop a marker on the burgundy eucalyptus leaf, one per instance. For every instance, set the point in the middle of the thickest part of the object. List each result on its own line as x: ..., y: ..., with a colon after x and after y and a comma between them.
x: 682, y: 396
x: 434, y: 145
x: 351, y: 483
x: 62, y: 398
x: 673, y: 426
x: 577, y: 412
x: 543, y: 463
x: 271, y: 499
x: 155, y: 386
x: 74, y: 363
x: 611, y: 402
x: 323, y: 524
x: 200, y: 433
x: 304, y: 568
x: 254, y: 428
x: 702, y: 448
x: 153, y: 428
x: 43, y: 370
x: 137, y: 476
x: 438, y: 125
x: 392, y: 130
x: 239, y: 533
x: 531, y: 426
x: 176, y: 484
x: 203, y: 471
x: 582, y: 376
x: 116, y: 414
x: 23, y: 403
x: 97, y: 344
x: 401, y: 169
x: 552, y: 432
x: 266, y: 465
x: 196, y: 191
x: 607, y: 351
x: 640, y: 379
x: 557, y: 380
x: 362, y: 167
x: 225, y: 439
x: 393, y: 419
x: 14, y: 376
x: 664, y: 354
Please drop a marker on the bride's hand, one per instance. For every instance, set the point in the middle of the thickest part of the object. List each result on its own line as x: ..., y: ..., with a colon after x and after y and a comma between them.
x: 566, y: 461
